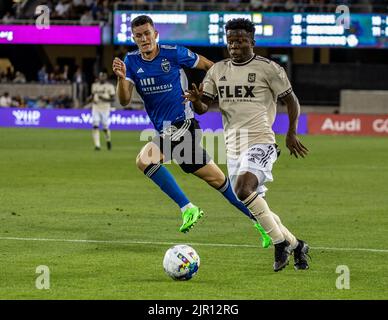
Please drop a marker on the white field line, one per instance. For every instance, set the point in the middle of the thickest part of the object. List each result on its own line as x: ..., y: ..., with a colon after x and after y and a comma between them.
x: 132, y: 242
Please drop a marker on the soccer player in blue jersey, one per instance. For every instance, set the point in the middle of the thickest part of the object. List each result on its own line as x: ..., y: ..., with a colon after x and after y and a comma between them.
x: 156, y: 72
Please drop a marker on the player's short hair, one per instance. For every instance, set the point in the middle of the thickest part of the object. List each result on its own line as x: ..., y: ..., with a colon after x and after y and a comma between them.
x: 241, y: 24
x: 141, y: 20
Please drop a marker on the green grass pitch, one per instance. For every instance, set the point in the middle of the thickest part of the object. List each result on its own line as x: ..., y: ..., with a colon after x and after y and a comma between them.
x: 56, y: 190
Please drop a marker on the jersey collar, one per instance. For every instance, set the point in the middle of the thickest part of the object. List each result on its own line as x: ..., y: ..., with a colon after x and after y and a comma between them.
x: 153, y: 57
x: 243, y: 63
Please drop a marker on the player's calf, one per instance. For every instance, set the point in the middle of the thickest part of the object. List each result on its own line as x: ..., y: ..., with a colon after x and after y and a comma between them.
x: 107, y: 138
x: 96, y: 137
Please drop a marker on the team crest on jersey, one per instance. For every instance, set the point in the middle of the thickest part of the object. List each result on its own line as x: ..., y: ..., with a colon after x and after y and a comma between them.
x: 251, y: 77
x: 166, y: 66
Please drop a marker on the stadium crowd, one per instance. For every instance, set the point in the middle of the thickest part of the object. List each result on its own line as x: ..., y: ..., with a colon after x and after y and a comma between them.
x: 97, y: 11
x: 45, y: 75
x: 41, y: 102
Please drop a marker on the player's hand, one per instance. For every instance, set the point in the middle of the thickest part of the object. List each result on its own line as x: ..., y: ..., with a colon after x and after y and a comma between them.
x: 193, y: 95
x: 295, y: 146
x: 119, y: 68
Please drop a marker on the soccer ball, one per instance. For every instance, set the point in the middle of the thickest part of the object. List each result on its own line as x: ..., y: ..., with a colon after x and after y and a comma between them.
x: 181, y: 262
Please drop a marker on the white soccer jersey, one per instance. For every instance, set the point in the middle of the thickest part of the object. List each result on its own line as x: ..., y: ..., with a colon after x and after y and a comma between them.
x: 247, y: 94
x: 105, y: 90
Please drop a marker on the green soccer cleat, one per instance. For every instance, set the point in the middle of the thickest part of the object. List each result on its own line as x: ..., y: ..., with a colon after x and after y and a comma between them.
x: 190, y: 218
x: 265, y: 238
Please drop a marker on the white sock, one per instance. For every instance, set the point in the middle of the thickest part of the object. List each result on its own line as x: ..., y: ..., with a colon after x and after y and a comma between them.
x: 187, y: 206
x: 260, y: 210
x: 96, y: 137
x: 287, y: 234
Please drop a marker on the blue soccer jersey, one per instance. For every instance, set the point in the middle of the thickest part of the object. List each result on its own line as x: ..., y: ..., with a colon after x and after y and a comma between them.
x: 161, y: 82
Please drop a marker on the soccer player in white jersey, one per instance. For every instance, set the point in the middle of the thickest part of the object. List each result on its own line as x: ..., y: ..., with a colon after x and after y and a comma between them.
x: 103, y: 94
x: 247, y: 87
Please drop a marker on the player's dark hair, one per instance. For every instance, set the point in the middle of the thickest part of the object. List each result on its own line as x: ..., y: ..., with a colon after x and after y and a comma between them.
x: 241, y: 24
x: 141, y: 20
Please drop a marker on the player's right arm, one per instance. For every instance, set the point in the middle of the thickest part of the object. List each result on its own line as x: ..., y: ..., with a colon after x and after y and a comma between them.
x: 124, y: 86
x: 200, y: 102
x: 203, y: 97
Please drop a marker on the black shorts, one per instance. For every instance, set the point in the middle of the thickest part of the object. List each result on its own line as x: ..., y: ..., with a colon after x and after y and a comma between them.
x: 182, y: 142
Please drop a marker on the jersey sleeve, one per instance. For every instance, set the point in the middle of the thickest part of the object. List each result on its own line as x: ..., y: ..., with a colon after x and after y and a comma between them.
x: 129, y: 74
x: 209, y: 85
x: 187, y: 58
x: 278, y: 80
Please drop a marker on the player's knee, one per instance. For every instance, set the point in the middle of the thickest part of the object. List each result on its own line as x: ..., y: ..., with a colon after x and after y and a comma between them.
x: 243, y: 192
x: 246, y: 184
x: 150, y: 154
x: 141, y: 163
x: 143, y: 160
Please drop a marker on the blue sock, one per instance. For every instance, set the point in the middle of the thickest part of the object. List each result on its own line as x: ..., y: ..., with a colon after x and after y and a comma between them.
x: 165, y: 180
x: 227, y: 191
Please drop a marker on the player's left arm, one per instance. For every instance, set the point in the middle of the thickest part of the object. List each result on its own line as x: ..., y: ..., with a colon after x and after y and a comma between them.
x: 203, y: 63
x: 281, y: 87
x: 292, y: 141
x: 188, y: 59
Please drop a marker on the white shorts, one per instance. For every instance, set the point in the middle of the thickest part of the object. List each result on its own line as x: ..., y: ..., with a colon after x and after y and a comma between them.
x: 258, y: 159
x: 101, y: 117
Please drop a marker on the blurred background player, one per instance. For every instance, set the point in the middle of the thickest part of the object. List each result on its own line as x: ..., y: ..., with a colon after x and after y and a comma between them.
x: 248, y: 87
x: 103, y: 94
x: 157, y: 73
